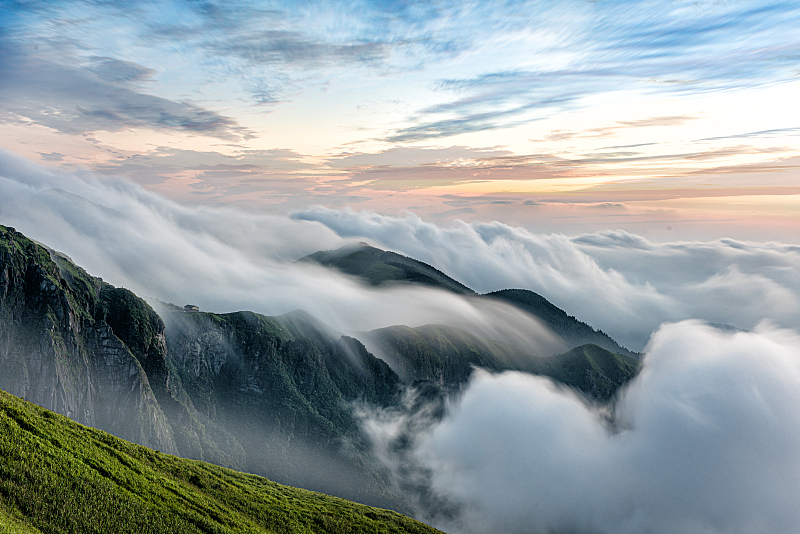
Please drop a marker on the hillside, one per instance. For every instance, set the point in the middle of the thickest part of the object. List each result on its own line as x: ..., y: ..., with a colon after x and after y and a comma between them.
x: 58, y: 476
x: 274, y: 396
x: 566, y: 326
x: 77, y: 345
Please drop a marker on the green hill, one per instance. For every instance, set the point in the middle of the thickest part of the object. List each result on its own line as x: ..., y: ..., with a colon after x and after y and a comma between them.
x: 57, y: 476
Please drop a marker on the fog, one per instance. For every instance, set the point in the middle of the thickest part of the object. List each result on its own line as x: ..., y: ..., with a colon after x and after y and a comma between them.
x: 620, y: 283
x: 223, y: 259
x: 705, y: 439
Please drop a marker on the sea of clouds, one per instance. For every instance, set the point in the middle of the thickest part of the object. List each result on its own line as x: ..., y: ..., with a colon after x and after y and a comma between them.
x: 705, y: 439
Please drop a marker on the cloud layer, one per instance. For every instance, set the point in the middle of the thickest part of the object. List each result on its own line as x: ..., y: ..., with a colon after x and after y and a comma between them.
x: 705, y: 439
x: 226, y: 259
x: 618, y: 282
x: 223, y: 259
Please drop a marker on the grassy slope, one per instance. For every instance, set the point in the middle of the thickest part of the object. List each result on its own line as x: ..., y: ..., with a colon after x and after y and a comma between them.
x: 58, y: 476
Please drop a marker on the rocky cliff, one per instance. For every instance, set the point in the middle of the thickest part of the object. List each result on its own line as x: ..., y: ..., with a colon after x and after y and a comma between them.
x: 58, y: 350
x: 280, y: 391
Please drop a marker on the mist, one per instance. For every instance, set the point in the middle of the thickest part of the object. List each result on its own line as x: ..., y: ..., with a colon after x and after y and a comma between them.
x: 705, y: 439
x: 618, y: 282
x: 227, y: 259
x: 223, y: 259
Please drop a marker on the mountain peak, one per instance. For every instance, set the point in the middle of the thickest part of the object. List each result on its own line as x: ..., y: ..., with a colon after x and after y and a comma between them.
x: 380, y: 267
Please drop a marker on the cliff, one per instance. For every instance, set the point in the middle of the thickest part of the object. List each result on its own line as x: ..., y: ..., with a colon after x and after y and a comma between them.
x: 58, y: 347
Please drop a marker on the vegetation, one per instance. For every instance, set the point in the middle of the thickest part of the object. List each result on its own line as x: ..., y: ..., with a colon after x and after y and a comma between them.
x: 60, y: 477
x: 280, y: 390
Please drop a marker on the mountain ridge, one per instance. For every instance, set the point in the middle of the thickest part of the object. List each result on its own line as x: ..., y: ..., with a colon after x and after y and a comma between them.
x: 271, y: 395
x: 382, y: 268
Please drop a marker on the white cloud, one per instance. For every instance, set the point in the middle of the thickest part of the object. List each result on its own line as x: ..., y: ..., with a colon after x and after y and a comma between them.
x: 706, y: 440
x: 223, y: 259
x: 613, y: 280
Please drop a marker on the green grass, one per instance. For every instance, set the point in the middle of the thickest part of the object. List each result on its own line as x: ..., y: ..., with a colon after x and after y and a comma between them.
x: 57, y: 476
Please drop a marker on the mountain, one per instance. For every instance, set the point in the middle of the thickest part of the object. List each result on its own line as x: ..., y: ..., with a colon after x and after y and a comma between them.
x: 276, y: 396
x: 280, y: 392
x: 446, y: 356
x: 568, y: 327
x: 58, y: 347
x: 381, y: 268
x: 59, y: 476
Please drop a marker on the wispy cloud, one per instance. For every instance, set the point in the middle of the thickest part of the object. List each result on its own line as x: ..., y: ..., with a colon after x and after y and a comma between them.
x: 102, y: 95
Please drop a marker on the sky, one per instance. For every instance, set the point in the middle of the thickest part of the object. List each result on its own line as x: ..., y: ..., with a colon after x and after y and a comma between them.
x: 670, y: 120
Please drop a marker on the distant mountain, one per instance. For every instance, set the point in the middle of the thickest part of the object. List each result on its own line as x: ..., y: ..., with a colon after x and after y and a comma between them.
x: 380, y: 268
x: 568, y: 327
x: 59, y: 476
x: 446, y: 356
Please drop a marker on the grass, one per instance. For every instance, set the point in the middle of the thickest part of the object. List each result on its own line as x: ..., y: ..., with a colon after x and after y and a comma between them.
x: 57, y: 476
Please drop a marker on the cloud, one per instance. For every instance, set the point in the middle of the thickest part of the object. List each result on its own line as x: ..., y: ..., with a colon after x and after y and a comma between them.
x: 224, y: 259
x: 77, y: 100
x: 650, y: 122
x: 704, y: 439
x: 613, y: 280
x: 599, y: 48
x: 415, y: 156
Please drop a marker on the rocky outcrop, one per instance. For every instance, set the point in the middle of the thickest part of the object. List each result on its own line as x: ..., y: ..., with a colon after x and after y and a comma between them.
x: 57, y: 350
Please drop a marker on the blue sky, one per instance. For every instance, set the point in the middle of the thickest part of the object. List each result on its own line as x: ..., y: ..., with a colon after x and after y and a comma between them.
x: 403, y: 105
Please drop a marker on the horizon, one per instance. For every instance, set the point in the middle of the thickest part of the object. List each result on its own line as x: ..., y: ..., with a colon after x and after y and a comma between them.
x: 673, y: 121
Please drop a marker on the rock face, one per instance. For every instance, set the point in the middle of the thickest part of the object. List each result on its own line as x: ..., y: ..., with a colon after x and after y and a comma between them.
x: 280, y: 391
x: 57, y: 350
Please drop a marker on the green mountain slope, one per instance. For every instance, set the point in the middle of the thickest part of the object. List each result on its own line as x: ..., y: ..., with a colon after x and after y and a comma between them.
x: 274, y: 396
x: 79, y: 346
x: 58, y: 476
x: 279, y: 392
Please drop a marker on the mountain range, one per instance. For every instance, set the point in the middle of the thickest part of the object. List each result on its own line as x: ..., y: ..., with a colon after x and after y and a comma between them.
x: 275, y: 396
